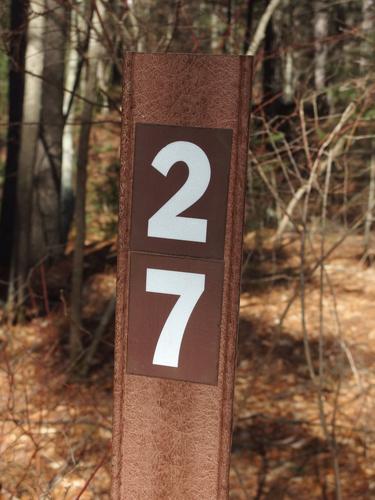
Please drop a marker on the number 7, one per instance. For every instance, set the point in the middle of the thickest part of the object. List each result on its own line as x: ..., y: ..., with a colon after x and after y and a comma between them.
x: 189, y: 287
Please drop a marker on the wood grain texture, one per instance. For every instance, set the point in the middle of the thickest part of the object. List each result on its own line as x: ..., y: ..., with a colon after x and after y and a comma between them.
x: 171, y: 439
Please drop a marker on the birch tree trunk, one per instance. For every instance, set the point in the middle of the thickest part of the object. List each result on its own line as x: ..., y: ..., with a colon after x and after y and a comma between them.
x: 29, y: 140
x: 320, y: 34
x: 367, y: 53
x: 68, y: 156
x: 45, y: 227
x: 288, y: 57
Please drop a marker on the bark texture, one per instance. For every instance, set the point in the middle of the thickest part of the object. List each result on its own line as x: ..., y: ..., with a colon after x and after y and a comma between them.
x: 16, y: 87
x: 321, y: 32
x: 94, y: 53
x: 29, y: 140
x: 45, y: 229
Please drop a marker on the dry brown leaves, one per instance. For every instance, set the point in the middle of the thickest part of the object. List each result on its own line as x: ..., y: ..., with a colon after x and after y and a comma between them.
x: 55, y: 435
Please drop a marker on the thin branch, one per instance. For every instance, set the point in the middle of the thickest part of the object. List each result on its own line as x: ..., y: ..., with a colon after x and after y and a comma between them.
x: 262, y: 26
x: 318, y: 167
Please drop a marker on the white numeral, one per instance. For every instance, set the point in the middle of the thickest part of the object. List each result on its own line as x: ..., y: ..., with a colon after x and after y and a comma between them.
x: 167, y: 221
x: 189, y: 286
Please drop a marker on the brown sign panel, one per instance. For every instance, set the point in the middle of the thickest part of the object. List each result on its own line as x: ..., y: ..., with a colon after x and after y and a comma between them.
x: 174, y: 317
x: 180, y: 190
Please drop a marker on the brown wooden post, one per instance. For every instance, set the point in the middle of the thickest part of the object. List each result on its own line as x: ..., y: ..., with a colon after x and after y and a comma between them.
x: 183, y: 175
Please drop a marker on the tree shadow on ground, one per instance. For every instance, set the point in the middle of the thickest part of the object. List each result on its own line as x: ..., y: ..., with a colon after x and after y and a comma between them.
x: 288, y: 460
x: 266, y: 346
x: 278, y: 436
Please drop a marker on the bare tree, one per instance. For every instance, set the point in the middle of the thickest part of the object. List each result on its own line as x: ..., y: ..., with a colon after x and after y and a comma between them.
x: 368, y: 23
x: 72, y: 74
x: 321, y: 32
x: 95, y: 51
x: 17, y: 45
x: 368, y: 12
x: 45, y: 225
x: 29, y: 140
x: 288, y: 56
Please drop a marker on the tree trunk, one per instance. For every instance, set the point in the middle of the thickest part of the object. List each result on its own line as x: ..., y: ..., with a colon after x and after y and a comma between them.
x: 227, y: 35
x: 345, y: 21
x: 68, y: 157
x: 18, y: 19
x: 249, y: 23
x: 367, y: 49
x: 320, y: 34
x: 214, y: 30
x: 288, y: 56
x: 370, y: 204
x: 137, y: 13
x: 90, y: 94
x: 45, y: 227
x: 368, y: 12
x: 269, y: 63
x: 29, y: 140
x: 80, y: 21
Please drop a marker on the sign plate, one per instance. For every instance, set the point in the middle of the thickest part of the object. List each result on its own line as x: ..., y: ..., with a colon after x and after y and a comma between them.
x: 180, y: 190
x: 174, y: 317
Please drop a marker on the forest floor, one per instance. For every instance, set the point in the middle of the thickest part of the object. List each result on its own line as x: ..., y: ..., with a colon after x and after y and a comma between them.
x: 55, y: 434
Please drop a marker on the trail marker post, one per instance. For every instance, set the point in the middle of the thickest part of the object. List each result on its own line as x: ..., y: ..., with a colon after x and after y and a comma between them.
x: 183, y: 175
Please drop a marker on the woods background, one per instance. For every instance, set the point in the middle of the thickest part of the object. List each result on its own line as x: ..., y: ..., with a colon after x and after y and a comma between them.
x: 304, y: 400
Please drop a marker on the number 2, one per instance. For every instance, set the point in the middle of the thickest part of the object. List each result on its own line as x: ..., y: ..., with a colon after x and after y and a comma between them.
x: 189, y: 287
x: 167, y: 221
